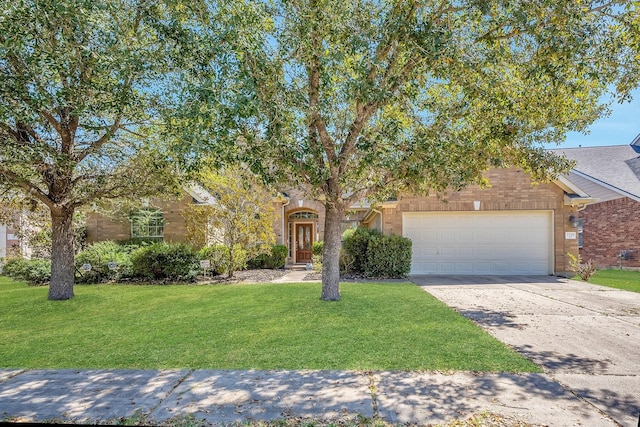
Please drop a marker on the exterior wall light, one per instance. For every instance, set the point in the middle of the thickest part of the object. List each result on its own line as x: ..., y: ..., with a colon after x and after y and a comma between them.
x: 573, y: 220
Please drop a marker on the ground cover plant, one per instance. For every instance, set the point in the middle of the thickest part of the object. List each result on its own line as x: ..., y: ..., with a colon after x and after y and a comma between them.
x: 376, y: 326
x: 620, y: 279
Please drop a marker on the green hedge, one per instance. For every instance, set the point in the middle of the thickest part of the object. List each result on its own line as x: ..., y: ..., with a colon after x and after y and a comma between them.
x: 170, y: 261
x: 388, y: 257
x: 367, y: 251
x: 218, y: 256
x: 101, y: 256
x: 317, y: 248
x: 276, y: 259
x: 355, y: 243
x: 35, y: 271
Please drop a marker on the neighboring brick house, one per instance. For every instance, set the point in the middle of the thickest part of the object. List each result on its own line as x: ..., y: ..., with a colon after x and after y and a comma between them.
x: 512, y: 227
x: 609, y: 228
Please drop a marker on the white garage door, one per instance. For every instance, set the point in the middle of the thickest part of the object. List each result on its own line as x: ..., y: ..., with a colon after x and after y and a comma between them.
x: 493, y: 243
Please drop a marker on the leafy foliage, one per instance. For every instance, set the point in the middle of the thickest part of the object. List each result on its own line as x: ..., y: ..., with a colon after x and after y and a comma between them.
x: 241, y: 214
x: 171, y: 261
x: 317, y: 248
x: 222, y: 260
x: 99, y: 256
x: 388, y: 257
x: 583, y: 269
x: 35, y: 271
x: 375, y: 98
x: 81, y: 82
x: 276, y: 259
x: 355, y: 243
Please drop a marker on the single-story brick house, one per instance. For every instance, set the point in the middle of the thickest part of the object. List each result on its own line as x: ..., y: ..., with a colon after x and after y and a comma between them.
x: 609, y: 228
x: 513, y: 227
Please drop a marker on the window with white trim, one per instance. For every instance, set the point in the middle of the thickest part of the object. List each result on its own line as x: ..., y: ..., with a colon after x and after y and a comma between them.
x: 147, y: 223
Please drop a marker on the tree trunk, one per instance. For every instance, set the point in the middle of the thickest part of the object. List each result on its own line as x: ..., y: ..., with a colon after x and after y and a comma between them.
x: 230, y: 272
x: 331, y: 254
x: 62, y: 254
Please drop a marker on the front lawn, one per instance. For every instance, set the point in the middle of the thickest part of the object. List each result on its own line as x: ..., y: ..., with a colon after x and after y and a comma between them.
x: 377, y: 326
x: 620, y: 279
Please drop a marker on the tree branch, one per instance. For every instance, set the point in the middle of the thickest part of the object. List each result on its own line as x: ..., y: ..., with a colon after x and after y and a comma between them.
x: 315, y: 118
x: 26, y: 185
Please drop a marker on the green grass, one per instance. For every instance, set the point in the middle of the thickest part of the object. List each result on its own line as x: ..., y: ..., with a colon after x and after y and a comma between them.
x: 376, y: 326
x: 620, y: 279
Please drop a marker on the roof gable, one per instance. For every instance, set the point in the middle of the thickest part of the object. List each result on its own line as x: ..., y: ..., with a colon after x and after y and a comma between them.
x: 616, y: 167
x: 636, y: 144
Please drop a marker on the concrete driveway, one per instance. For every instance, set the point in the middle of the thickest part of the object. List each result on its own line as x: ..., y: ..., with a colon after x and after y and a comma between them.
x: 586, y: 337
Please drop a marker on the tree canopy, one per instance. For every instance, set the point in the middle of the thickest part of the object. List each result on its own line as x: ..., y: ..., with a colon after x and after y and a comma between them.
x: 81, y: 85
x: 371, y: 98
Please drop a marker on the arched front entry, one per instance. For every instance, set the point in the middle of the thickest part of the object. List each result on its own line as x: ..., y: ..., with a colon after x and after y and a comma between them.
x: 302, y: 226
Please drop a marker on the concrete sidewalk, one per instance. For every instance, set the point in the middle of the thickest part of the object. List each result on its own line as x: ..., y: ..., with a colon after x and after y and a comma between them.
x: 586, y: 337
x: 223, y: 397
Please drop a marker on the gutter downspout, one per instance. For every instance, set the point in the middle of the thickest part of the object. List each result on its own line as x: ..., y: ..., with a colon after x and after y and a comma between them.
x: 284, y: 231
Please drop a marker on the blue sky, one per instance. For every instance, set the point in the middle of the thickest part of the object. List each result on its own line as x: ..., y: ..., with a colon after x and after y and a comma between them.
x: 619, y: 128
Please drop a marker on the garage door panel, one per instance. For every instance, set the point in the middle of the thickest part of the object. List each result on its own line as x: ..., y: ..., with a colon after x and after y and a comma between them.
x: 505, y: 242
x: 465, y: 268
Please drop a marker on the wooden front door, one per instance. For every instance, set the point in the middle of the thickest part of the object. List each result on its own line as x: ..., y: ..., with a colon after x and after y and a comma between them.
x: 304, y: 242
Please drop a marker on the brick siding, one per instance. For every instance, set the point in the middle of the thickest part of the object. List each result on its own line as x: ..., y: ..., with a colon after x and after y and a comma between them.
x: 100, y: 227
x: 608, y: 228
x: 511, y: 189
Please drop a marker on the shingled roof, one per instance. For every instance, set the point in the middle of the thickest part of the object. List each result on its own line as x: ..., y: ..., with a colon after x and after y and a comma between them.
x: 615, y: 166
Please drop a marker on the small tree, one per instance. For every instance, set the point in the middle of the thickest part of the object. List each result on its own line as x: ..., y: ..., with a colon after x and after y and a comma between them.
x: 241, y: 216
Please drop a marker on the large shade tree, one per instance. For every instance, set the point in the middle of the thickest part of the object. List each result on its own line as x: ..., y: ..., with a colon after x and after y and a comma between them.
x: 80, y: 84
x: 367, y: 98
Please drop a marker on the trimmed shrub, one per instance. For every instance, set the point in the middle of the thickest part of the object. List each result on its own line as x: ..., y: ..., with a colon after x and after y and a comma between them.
x: 276, y: 259
x: 218, y: 256
x: 171, y: 261
x: 317, y: 248
x: 35, y: 271
x: 316, y: 260
x: 388, y: 257
x: 100, y: 255
x: 355, y: 243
